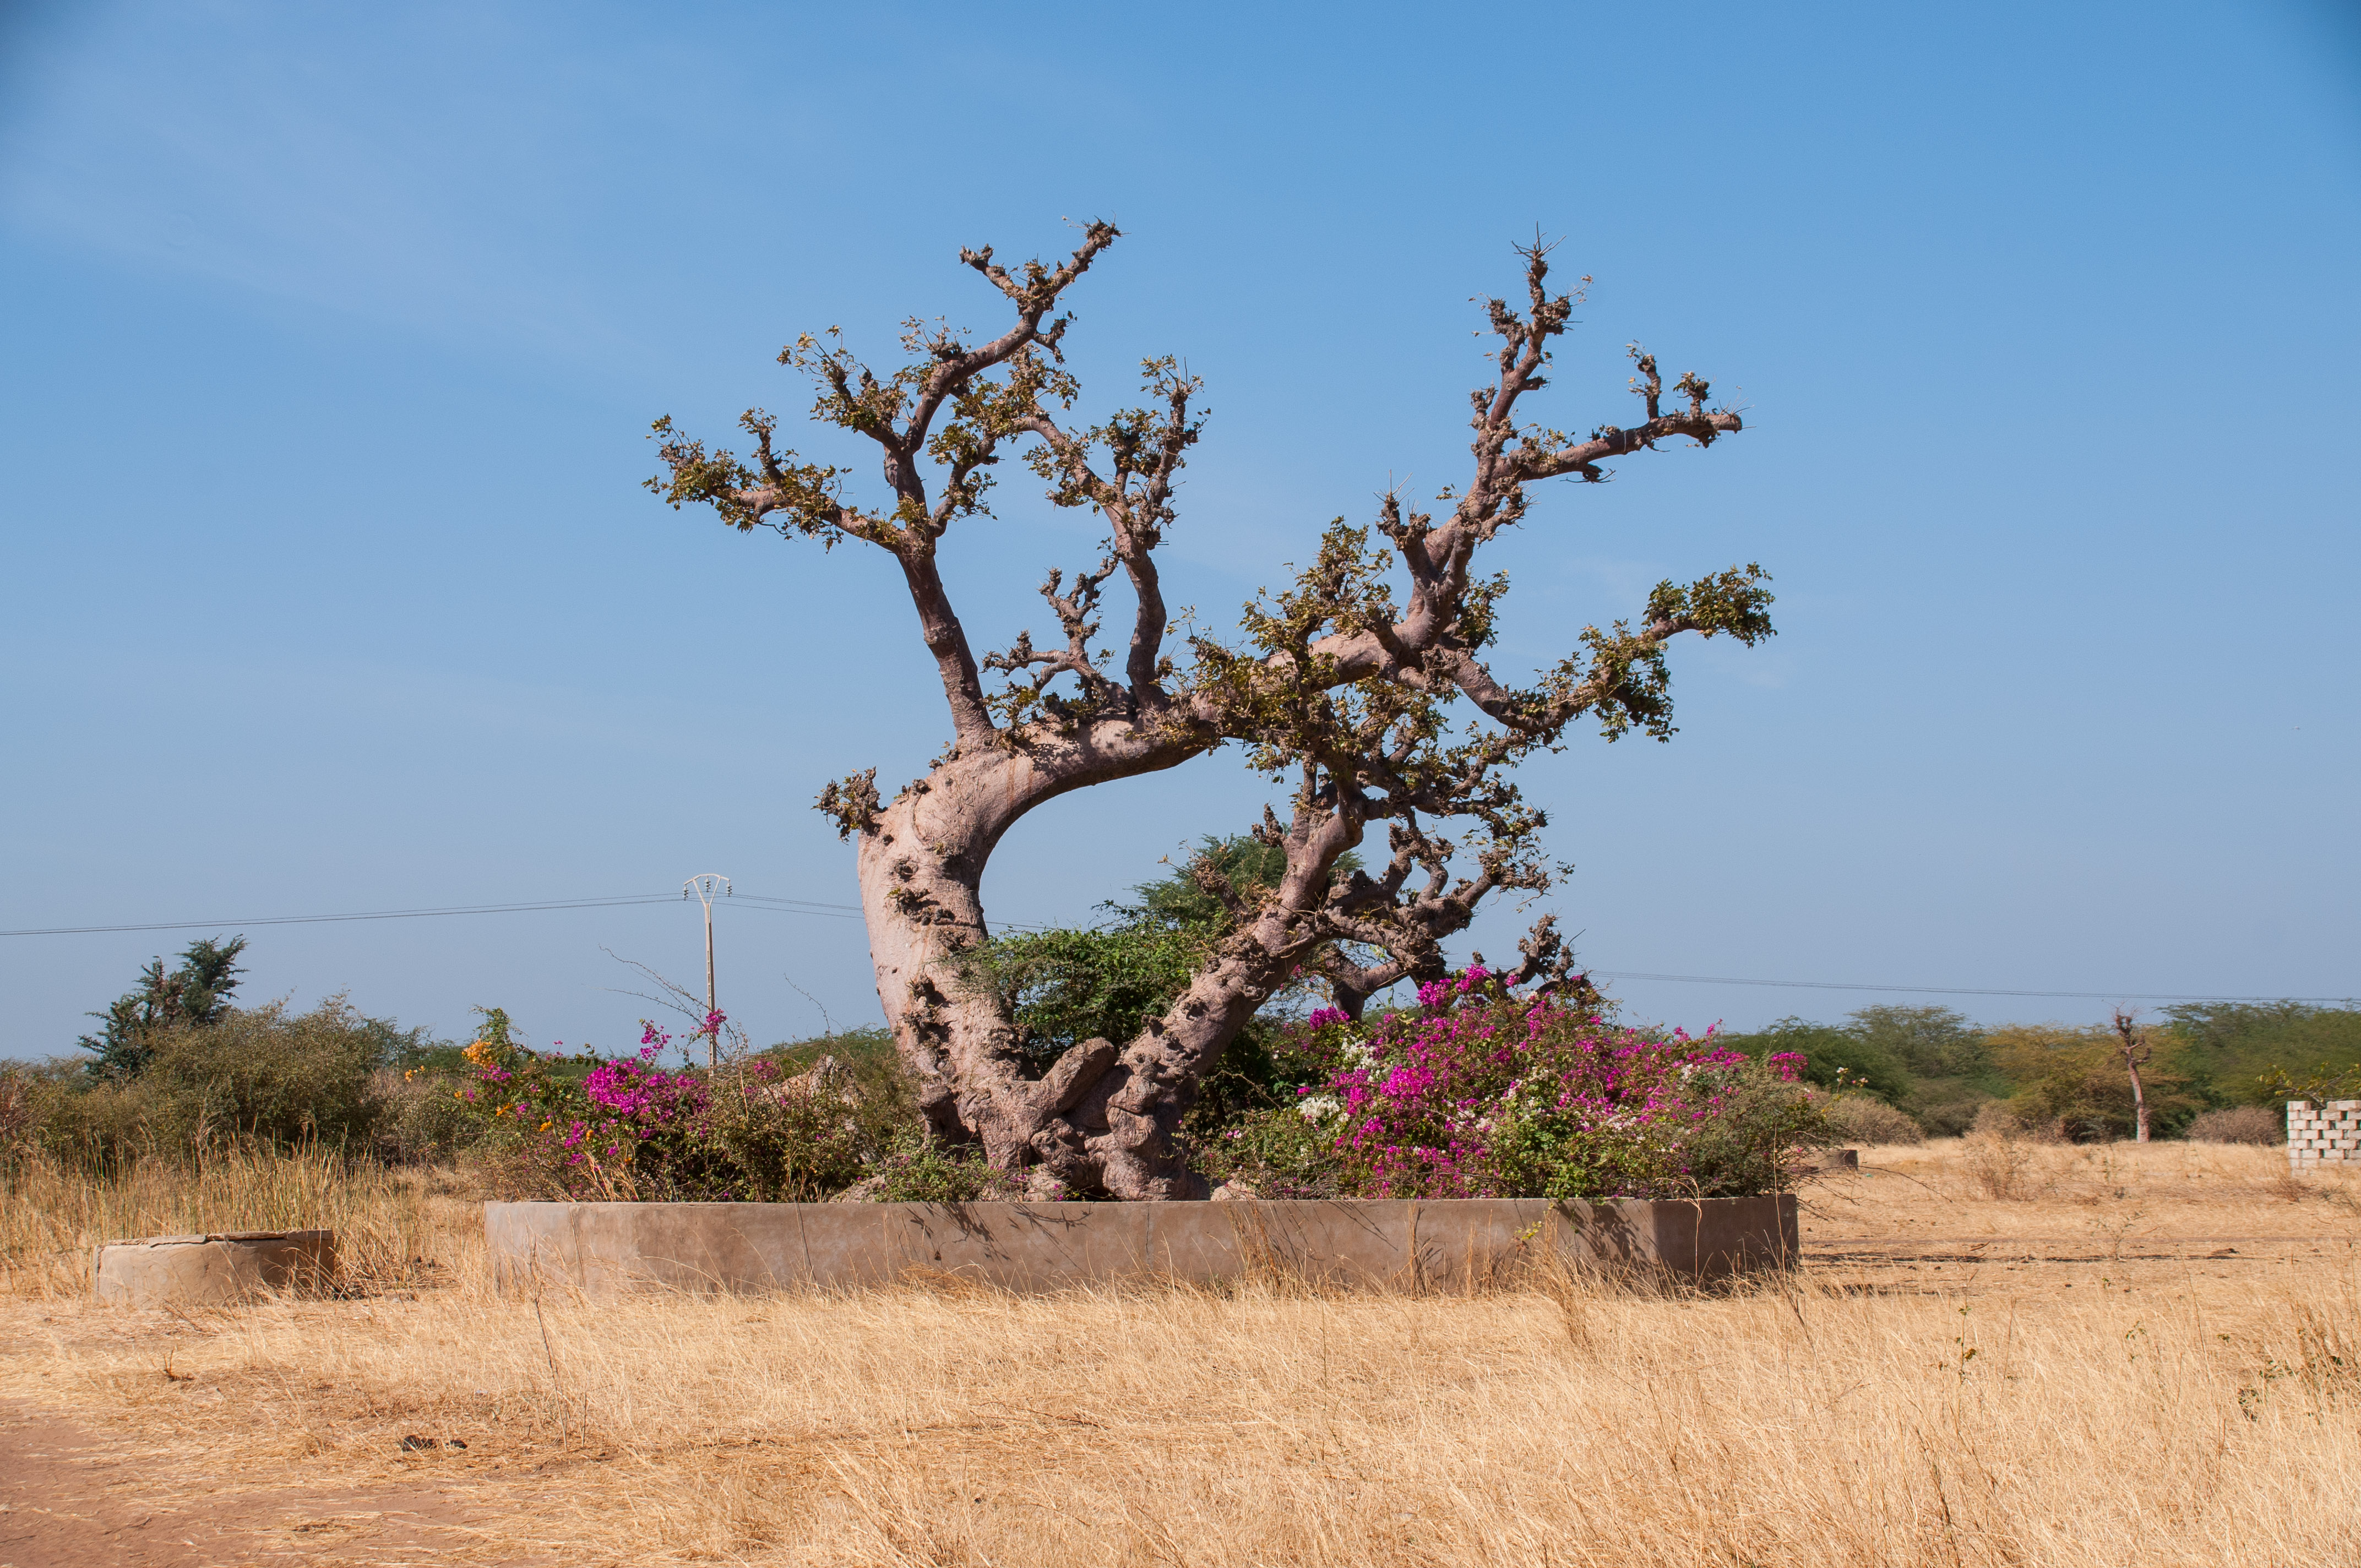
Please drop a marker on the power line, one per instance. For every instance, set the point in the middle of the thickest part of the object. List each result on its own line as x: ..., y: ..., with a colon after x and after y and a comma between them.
x: 806, y: 906
x: 529, y: 905
x: 1952, y: 990
x: 798, y: 907
x: 815, y: 907
x: 766, y: 905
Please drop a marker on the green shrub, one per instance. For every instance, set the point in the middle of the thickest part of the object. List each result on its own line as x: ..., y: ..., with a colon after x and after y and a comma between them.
x: 419, y: 1119
x: 1066, y: 986
x: 2251, y: 1053
x: 1062, y: 987
x: 1834, y: 1057
x: 1277, y: 1152
x: 920, y: 1169
x: 262, y: 1076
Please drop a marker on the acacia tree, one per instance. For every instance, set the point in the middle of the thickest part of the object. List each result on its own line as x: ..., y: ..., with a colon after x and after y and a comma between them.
x: 197, y: 994
x: 1341, y: 683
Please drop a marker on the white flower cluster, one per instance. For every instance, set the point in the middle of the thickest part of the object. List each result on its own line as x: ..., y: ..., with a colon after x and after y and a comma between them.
x: 1317, y: 1107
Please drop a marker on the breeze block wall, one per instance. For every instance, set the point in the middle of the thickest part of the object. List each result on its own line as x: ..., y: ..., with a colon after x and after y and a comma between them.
x: 2318, y: 1134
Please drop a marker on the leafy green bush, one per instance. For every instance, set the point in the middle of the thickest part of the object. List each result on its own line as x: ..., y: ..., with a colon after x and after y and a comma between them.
x: 1835, y: 1057
x: 1067, y: 985
x: 2246, y: 1053
x: 919, y: 1170
x: 1277, y: 1152
x: 2072, y: 1084
x: 1062, y: 987
x: 263, y: 1076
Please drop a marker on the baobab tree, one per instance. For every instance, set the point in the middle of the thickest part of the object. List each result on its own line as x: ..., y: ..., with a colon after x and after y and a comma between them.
x: 1343, y: 683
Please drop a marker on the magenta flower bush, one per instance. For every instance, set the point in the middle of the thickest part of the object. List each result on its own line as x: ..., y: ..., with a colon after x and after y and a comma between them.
x: 627, y: 1129
x: 1475, y: 1092
x: 1478, y: 1092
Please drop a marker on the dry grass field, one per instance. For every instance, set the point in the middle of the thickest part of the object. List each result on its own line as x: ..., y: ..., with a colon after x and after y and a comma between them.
x: 1993, y: 1354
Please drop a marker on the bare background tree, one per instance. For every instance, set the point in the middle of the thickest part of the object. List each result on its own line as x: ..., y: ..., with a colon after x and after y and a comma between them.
x: 1340, y: 682
x: 2133, y: 1043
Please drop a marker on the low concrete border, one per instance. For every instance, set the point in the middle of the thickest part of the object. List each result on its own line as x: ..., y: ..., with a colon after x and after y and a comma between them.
x: 607, y: 1249
x: 206, y: 1270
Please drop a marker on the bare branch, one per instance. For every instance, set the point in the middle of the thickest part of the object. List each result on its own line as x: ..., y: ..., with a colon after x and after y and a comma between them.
x: 1074, y: 612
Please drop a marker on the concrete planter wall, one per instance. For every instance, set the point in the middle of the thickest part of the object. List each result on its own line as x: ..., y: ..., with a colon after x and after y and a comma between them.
x: 212, y: 1269
x: 604, y: 1249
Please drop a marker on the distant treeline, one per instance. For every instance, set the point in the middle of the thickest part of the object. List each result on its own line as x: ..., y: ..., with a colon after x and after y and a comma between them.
x: 175, y: 1064
x: 1936, y: 1066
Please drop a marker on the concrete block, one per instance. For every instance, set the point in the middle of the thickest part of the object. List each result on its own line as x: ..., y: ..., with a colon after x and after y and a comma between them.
x: 215, y: 1269
x: 2323, y: 1134
x: 605, y: 1249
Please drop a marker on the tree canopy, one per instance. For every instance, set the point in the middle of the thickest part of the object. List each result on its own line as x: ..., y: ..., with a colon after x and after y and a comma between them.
x: 197, y: 993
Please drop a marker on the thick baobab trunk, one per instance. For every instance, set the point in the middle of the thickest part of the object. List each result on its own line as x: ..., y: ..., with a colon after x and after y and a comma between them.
x: 1104, y: 1115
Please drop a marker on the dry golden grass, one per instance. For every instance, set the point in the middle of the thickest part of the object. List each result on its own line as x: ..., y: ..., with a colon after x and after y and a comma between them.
x: 2149, y: 1405
x: 1986, y: 1186
x: 388, y: 1224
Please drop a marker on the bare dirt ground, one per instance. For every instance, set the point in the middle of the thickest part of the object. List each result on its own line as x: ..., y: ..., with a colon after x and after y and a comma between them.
x: 75, y: 1498
x: 1974, y: 1218
x: 1991, y: 1355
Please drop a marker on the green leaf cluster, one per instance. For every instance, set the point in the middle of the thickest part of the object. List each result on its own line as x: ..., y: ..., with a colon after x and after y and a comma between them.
x: 2265, y: 1053
x: 195, y: 995
x: 1931, y: 1062
x: 1066, y: 986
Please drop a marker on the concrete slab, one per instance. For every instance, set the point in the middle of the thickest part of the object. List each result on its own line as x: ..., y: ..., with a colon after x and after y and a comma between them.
x: 214, y: 1270
x: 605, y: 1249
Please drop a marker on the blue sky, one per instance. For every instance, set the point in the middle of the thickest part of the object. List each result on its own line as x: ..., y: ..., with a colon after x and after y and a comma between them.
x: 336, y: 331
